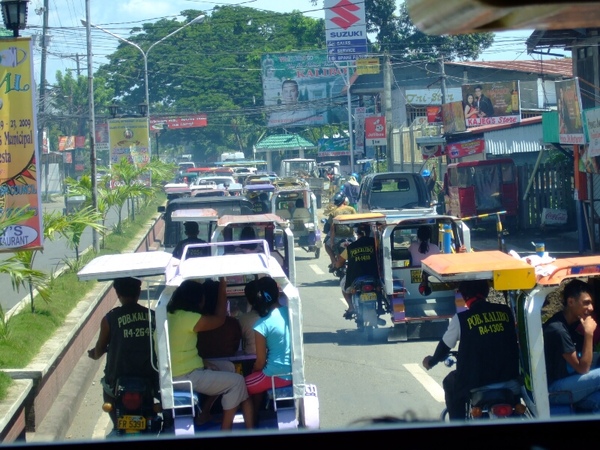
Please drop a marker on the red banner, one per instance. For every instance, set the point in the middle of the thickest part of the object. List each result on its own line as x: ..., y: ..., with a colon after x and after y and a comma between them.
x: 434, y: 114
x: 465, y: 148
x: 70, y: 142
x: 174, y: 123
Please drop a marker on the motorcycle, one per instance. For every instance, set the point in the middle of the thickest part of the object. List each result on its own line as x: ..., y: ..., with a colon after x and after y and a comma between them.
x: 367, y: 300
x: 135, y: 407
x: 497, y: 402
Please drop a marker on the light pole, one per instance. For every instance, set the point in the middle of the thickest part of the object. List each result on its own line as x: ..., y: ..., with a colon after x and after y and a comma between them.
x: 198, y: 19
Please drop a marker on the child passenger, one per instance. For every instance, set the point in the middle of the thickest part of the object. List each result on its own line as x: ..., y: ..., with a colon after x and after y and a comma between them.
x: 273, y: 342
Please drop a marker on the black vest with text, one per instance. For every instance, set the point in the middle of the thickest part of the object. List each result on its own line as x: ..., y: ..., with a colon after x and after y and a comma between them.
x: 361, y: 260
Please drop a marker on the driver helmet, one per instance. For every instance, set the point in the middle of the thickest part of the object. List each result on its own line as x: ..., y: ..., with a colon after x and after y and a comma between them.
x: 338, y: 199
x: 426, y: 173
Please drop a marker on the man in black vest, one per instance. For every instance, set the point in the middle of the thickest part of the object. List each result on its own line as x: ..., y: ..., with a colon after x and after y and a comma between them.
x: 360, y: 255
x: 192, y: 230
x: 488, y: 352
x: 125, y: 338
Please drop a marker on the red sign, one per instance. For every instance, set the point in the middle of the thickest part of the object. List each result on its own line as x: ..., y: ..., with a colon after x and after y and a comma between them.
x: 173, y: 123
x: 465, y: 148
x: 375, y: 133
x: 70, y: 142
x: 434, y: 114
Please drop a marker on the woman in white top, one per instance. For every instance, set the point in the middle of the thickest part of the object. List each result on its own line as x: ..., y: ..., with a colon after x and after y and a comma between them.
x: 423, y: 248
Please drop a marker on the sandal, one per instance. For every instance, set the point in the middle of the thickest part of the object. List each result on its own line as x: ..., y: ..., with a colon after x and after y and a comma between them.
x: 349, y: 314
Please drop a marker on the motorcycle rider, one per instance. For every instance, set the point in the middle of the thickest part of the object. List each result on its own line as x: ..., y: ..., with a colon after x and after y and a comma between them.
x: 338, y: 232
x: 487, y: 353
x: 361, y: 263
x: 125, y: 338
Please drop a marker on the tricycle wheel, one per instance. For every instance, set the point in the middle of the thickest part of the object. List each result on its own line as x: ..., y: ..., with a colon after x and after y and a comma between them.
x: 317, y: 253
x: 369, y: 331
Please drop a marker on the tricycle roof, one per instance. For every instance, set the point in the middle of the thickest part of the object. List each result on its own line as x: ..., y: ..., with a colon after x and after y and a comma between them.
x: 264, y: 187
x: 359, y: 218
x: 195, y: 214
x: 109, y: 267
x: 505, y: 271
x: 396, y: 219
x: 558, y: 270
x: 246, y: 219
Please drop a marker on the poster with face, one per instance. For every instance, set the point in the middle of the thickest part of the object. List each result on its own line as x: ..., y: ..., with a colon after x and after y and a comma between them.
x: 491, y: 103
x: 570, y: 121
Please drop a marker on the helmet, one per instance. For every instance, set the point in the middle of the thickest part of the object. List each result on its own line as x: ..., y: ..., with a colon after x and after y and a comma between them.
x: 355, y: 175
x: 426, y: 173
x: 338, y: 199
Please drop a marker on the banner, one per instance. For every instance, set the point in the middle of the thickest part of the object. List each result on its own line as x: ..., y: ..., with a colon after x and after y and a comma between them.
x: 345, y: 29
x: 299, y: 88
x: 491, y: 103
x: 465, y: 148
x: 434, y: 114
x: 70, y: 142
x: 101, y: 141
x: 570, y: 122
x: 327, y: 147
x: 129, y: 139
x: 359, y: 128
x: 19, y: 152
x: 175, y: 123
x: 375, y: 133
x: 453, y: 118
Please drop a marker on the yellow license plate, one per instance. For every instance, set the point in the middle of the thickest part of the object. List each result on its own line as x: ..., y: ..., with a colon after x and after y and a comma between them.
x: 131, y: 423
x: 368, y: 296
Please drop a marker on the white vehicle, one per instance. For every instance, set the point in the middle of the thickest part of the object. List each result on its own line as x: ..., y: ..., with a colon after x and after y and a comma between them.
x: 292, y: 407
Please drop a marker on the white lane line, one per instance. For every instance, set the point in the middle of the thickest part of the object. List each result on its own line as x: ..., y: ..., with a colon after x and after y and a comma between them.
x: 436, y: 391
x: 101, y: 426
x: 316, y: 269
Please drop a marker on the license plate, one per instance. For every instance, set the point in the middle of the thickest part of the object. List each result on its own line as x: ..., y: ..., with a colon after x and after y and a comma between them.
x: 131, y: 423
x: 368, y: 296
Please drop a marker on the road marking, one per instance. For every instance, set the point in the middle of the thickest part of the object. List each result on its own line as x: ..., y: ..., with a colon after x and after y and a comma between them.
x: 316, y: 269
x: 436, y: 391
x: 101, y: 426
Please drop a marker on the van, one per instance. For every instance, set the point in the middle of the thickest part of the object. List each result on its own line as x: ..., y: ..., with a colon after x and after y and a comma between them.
x: 393, y: 191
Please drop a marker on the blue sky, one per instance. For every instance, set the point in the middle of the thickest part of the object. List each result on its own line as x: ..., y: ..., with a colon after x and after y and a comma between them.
x: 68, y: 40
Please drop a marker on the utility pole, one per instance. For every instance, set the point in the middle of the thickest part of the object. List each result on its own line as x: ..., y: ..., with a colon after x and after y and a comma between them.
x: 443, y: 72
x: 92, y: 120
x: 42, y: 100
x: 387, y: 108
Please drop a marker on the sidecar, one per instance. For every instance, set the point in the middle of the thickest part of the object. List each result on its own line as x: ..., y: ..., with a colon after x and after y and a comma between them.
x: 532, y: 286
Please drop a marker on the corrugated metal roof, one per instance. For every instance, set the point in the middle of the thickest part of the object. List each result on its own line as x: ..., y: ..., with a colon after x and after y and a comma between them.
x: 525, y: 137
x: 284, y: 142
x: 562, y: 66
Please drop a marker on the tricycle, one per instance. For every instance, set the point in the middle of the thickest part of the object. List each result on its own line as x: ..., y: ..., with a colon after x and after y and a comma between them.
x: 295, y: 406
x: 294, y: 201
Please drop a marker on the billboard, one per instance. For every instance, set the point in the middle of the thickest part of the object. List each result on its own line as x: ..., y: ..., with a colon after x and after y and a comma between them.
x: 570, y: 122
x: 129, y: 139
x: 375, y: 132
x: 453, y: 117
x: 491, y: 103
x: 175, y: 123
x: 299, y: 89
x: 345, y: 29
x: 19, y: 152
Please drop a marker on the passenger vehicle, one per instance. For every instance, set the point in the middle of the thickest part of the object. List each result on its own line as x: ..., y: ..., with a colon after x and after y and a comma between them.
x: 205, y: 217
x: 266, y: 227
x: 417, y: 309
x: 303, y: 220
x: 223, y: 205
x: 177, y: 190
x: 288, y: 408
x: 474, y: 188
x: 253, y: 191
x: 394, y: 191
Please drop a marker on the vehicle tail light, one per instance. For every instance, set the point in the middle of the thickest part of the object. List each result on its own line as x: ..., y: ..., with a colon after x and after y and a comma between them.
x: 502, y: 410
x: 131, y: 400
x: 476, y: 412
x: 520, y: 409
x: 367, y: 288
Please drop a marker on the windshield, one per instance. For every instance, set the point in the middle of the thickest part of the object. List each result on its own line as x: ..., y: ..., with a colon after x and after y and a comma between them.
x: 274, y: 82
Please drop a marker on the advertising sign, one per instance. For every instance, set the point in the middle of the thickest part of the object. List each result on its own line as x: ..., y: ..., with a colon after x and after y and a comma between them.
x: 465, y: 148
x: 453, y: 118
x: 570, y: 122
x: 434, y: 114
x: 375, y: 132
x: 328, y: 147
x: 345, y: 29
x: 298, y: 89
x: 129, y: 139
x: 19, y: 152
x: 432, y: 96
x: 491, y: 103
x: 367, y: 66
x: 174, y: 123
x: 101, y: 142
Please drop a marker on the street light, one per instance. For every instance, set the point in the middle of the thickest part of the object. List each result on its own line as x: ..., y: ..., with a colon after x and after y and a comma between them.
x: 198, y: 19
x: 14, y: 14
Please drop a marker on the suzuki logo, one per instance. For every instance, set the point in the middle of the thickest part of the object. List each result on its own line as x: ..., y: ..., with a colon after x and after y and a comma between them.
x: 344, y: 10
